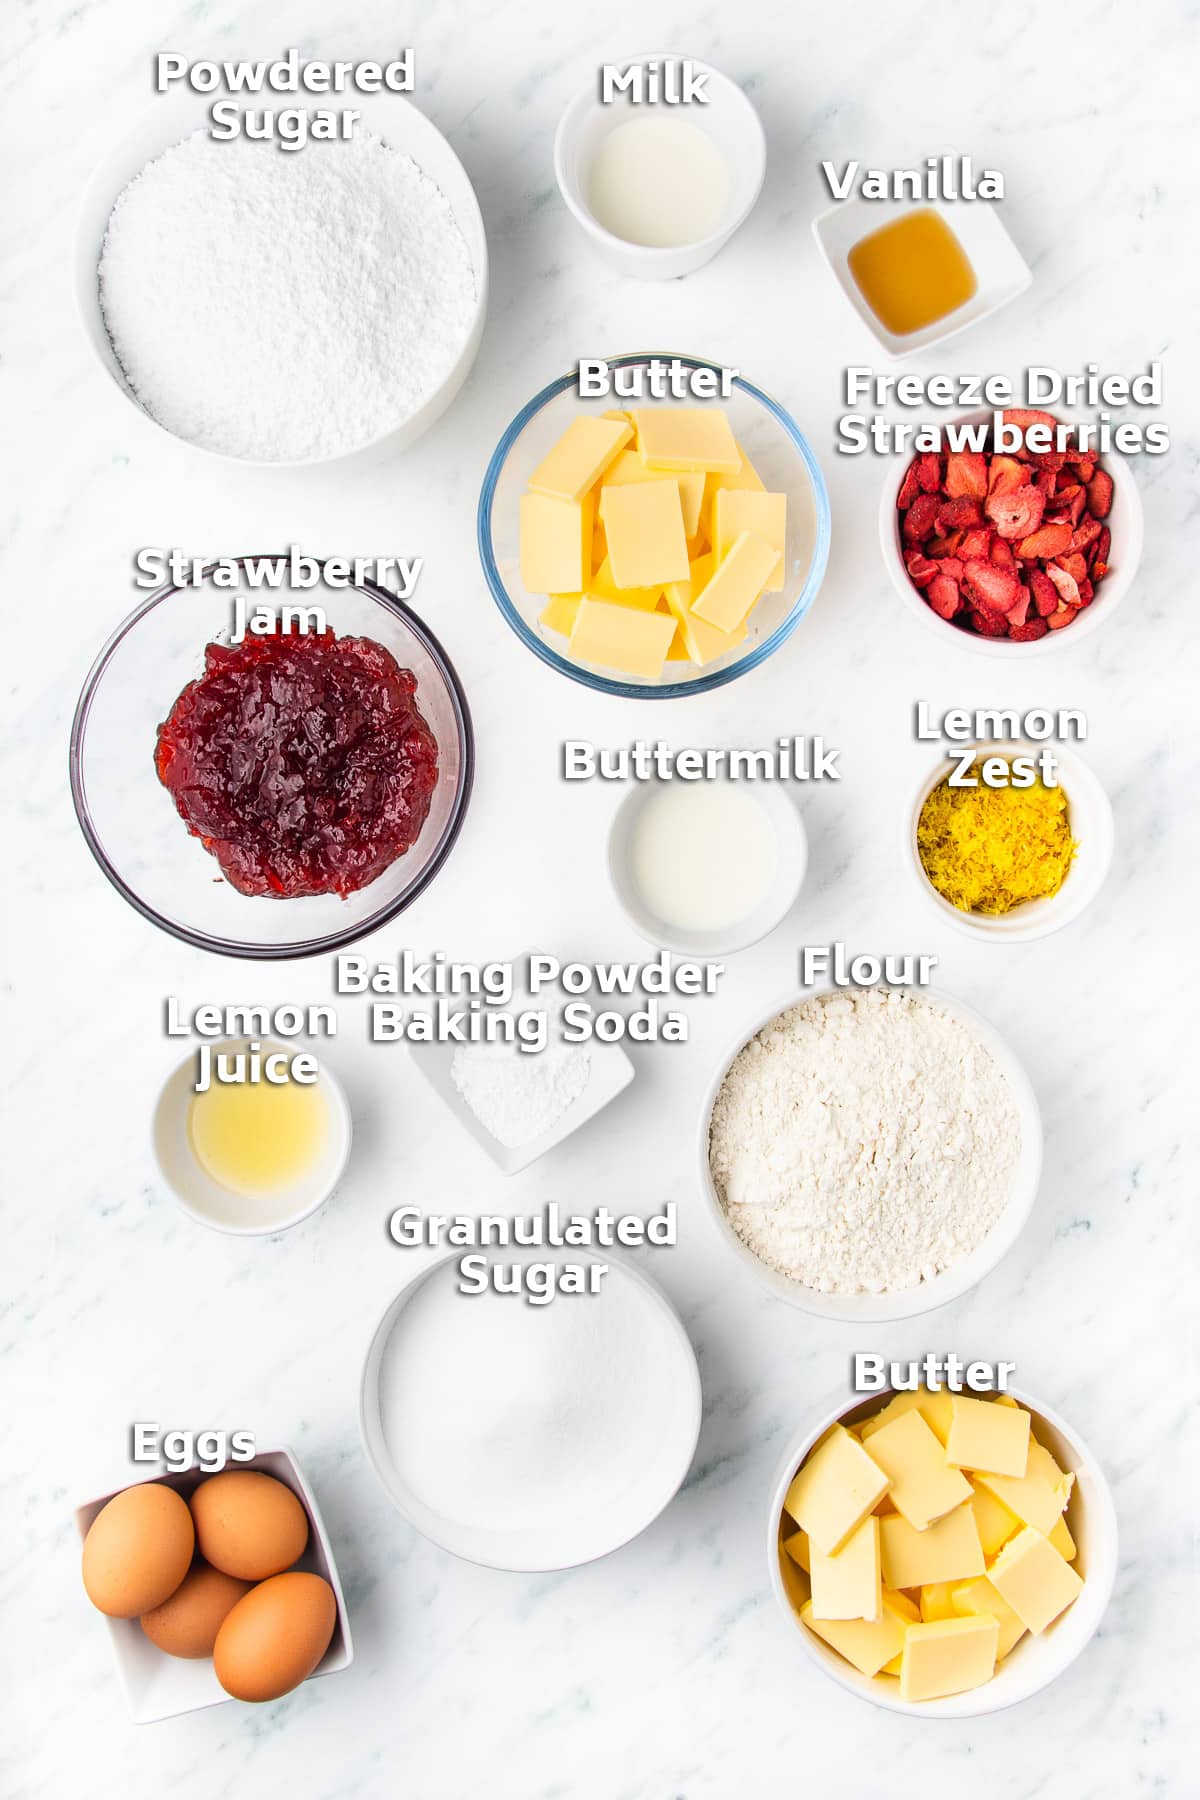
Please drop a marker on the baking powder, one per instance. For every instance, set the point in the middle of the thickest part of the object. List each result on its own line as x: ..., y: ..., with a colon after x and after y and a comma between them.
x: 517, y: 1095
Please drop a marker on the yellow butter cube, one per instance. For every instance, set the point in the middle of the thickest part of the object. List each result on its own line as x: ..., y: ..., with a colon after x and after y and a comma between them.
x: 993, y: 1520
x: 893, y: 1667
x: 948, y: 1656
x: 934, y: 1408
x: 901, y: 1603
x: 621, y: 637
x: 1038, y: 1497
x: 745, y: 476
x: 678, y: 651
x: 985, y: 1436
x: 743, y: 509
x: 686, y: 437
x: 629, y: 467
x: 867, y: 1645
x: 936, y: 1601
x: 736, y: 583
x: 834, y: 1491
x: 556, y: 542
x: 981, y: 1597
x: 796, y: 1546
x: 580, y: 457
x: 603, y: 587
x: 847, y: 1585
x: 643, y: 525
x: 923, y: 1487
x: 1034, y: 1579
x: 1062, y: 1540
x: 560, y: 614
x: 705, y: 642
x: 947, y: 1550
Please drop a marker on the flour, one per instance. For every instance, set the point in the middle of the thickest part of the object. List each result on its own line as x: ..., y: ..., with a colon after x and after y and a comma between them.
x: 284, y: 307
x: 515, y: 1095
x: 862, y: 1142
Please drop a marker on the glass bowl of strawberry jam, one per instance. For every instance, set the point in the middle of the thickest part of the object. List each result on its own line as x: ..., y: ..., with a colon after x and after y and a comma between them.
x: 271, y: 771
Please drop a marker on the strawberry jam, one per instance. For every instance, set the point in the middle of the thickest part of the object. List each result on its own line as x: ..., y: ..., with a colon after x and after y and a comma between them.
x: 303, y: 764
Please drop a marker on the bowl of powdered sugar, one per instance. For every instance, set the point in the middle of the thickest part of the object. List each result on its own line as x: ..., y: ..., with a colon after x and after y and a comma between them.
x: 285, y: 308
x: 871, y: 1153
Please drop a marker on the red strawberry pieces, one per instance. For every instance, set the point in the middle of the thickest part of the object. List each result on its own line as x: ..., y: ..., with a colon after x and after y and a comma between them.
x: 1016, y: 513
x: 921, y: 518
x: 966, y: 474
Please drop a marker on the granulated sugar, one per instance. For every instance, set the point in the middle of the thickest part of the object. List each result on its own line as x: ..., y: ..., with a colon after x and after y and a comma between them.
x: 281, y: 308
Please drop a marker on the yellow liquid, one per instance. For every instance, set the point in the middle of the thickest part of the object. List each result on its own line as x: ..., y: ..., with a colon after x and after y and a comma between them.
x: 256, y: 1138
x: 912, y: 272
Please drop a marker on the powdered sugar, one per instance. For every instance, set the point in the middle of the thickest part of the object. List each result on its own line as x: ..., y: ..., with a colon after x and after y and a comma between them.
x: 282, y: 308
x: 515, y: 1095
x: 864, y: 1141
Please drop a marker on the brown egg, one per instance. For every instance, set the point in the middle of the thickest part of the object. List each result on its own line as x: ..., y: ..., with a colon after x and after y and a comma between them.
x: 187, y: 1623
x: 249, y: 1525
x: 137, y: 1551
x: 275, y: 1637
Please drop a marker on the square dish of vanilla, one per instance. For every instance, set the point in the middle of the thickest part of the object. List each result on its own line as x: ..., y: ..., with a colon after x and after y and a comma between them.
x: 930, y: 1539
x: 654, y: 545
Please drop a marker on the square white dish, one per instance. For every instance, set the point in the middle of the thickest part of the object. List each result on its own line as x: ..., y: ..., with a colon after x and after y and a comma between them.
x: 609, y: 1073
x: 1001, y: 272
x: 158, y: 1686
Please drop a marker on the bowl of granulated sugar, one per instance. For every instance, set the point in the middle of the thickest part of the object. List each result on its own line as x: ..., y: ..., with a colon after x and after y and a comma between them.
x: 284, y: 309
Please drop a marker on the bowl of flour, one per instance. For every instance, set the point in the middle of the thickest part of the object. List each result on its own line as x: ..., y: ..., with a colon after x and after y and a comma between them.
x: 282, y: 308
x: 870, y: 1153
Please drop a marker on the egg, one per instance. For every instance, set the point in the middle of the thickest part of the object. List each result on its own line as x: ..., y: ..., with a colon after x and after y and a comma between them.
x: 138, y: 1549
x: 275, y: 1637
x: 187, y: 1624
x: 248, y: 1524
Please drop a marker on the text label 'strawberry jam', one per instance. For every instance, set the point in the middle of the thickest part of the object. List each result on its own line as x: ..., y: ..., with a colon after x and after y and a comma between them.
x: 303, y: 764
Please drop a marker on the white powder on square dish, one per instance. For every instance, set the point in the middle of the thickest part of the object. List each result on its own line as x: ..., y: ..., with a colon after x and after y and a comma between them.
x: 863, y: 1141
x: 515, y: 1094
x: 284, y: 307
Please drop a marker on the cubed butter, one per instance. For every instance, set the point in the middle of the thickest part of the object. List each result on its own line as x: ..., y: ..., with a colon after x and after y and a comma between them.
x: 948, y: 1550
x: 735, y: 583
x: 705, y: 642
x: 746, y: 476
x: 867, y: 1645
x: 560, y: 613
x: 993, y: 1520
x: 1034, y: 1579
x: 603, y: 587
x: 580, y: 457
x: 621, y: 637
x: 1062, y: 1540
x: 933, y: 1407
x: 937, y: 1602
x: 556, y: 541
x: 1038, y: 1497
x: 985, y: 1436
x: 835, y: 1490
x: 847, y: 1584
x: 923, y: 1486
x: 686, y: 437
x: 678, y: 650
x: 948, y: 1656
x: 643, y: 526
x: 795, y: 1545
x: 981, y: 1597
x: 629, y: 467
x: 743, y: 509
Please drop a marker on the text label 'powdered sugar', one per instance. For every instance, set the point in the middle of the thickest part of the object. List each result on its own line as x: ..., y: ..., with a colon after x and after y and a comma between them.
x: 292, y: 127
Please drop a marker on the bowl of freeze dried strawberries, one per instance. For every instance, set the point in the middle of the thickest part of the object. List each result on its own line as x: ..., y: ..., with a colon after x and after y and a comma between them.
x: 1018, y: 539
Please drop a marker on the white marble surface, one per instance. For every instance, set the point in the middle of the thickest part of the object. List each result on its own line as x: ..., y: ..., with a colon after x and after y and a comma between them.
x: 665, y: 1672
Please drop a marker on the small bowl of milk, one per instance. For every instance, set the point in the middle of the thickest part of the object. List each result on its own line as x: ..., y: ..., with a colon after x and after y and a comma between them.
x: 661, y: 174
x: 706, y: 867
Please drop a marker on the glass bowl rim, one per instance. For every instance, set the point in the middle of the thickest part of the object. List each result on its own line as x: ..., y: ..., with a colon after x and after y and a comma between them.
x: 337, y: 940
x: 665, y: 690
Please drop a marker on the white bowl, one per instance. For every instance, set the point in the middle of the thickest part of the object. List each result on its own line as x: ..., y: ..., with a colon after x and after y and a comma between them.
x: 661, y: 1443
x: 390, y: 117
x: 1034, y: 1662
x: 1125, y: 520
x: 1001, y: 272
x: 960, y: 1277
x: 216, y: 1206
x: 1090, y: 819
x: 158, y: 1686
x: 792, y: 861
x: 729, y: 121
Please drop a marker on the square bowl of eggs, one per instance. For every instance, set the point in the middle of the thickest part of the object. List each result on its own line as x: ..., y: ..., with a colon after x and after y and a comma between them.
x: 215, y: 1586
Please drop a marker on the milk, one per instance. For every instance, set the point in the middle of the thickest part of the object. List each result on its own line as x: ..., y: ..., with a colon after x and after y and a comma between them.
x: 658, y: 182
x: 703, y: 855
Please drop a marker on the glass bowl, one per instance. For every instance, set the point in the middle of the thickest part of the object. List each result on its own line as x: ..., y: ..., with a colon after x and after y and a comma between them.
x: 129, y: 818
x: 777, y: 448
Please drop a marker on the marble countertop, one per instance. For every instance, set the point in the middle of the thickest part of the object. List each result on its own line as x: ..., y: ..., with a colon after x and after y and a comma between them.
x: 665, y: 1672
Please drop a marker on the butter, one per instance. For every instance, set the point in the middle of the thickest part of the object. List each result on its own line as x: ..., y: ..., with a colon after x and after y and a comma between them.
x: 560, y: 613
x: 934, y: 1408
x: 736, y: 582
x: 556, y: 541
x: 948, y: 1656
x: 629, y: 467
x: 923, y: 1485
x: 742, y: 509
x: 867, y: 1645
x: 643, y: 526
x: 981, y: 1597
x: 603, y: 587
x: 686, y: 437
x: 948, y: 1550
x: 705, y: 643
x: 993, y: 1520
x: 1040, y: 1496
x: 984, y: 1436
x: 796, y: 1546
x: 580, y: 456
x: 1034, y: 1579
x: 621, y: 637
x: 835, y: 1490
x: 937, y: 1601
x: 746, y: 477
x: 1062, y: 1540
x: 847, y: 1584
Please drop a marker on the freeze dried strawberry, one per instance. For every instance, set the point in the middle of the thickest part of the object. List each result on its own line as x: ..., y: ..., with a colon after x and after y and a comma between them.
x: 1074, y: 565
x: 1006, y: 473
x: 1050, y: 540
x: 910, y: 487
x: 929, y: 472
x: 944, y: 546
x: 1086, y: 593
x: 1001, y: 553
x: 920, y: 519
x: 991, y: 586
x: 1068, y: 587
x: 920, y: 570
x: 1062, y: 617
x: 1025, y: 634
x: 1100, y: 565
x: 1084, y: 467
x: 951, y: 566
x: 975, y: 543
x: 989, y: 624
x: 1023, y: 418
x: 959, y: 515
x: 1100, y: 493
x: 1018, y: 513
x: 1017, y: 615
x: 966, y: 473
x: 943, y: 597
x: 1085, y: 533
x: 1046, y: 482
x: 1045, y: 594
